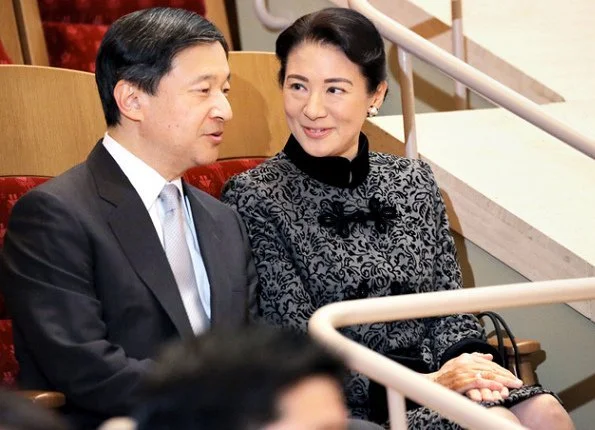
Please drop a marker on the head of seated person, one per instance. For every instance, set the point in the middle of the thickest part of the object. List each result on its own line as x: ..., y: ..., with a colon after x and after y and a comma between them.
x: 253, y: 378
x: 164, y: 94
x: 20, y: 413
x: 333, y: 76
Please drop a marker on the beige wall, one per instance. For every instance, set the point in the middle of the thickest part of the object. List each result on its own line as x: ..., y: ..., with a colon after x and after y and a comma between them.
x: 566, y: 336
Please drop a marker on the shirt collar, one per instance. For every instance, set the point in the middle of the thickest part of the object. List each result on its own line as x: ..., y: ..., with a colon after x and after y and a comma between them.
x: 335, y: 171
x: 145, y: 180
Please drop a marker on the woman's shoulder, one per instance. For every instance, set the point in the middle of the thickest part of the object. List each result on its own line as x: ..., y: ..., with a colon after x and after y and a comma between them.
x: 259, y: 179
x: 265, y: 172
x: 383, y: 163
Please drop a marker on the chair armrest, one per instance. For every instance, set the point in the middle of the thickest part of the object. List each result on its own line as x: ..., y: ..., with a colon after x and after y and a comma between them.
x: 525, y: 346
x: 530, y: 356
x: 48, y: 399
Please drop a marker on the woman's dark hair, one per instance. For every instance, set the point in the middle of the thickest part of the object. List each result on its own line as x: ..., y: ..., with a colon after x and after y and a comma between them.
x: 140, y: 47
x: 345, y: 29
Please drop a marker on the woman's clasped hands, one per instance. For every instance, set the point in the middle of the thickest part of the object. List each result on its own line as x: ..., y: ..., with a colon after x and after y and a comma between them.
x: 476, y: 376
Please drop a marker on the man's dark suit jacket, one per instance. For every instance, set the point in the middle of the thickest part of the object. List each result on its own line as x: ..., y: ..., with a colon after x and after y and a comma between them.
x: 91, y: 291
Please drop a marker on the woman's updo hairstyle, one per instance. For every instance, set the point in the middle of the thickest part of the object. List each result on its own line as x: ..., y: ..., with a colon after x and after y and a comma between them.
x: 346, y: 29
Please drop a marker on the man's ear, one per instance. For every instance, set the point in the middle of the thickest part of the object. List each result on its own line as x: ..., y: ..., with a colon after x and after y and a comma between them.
x: 128, y: 98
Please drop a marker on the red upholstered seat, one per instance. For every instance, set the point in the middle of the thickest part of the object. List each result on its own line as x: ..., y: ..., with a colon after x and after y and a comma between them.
x: 9, y: 367
x: 11, y: 188
x: 4, y: 58
x: 74, y: 28
x: 211, y: 178
x: 73, y: 46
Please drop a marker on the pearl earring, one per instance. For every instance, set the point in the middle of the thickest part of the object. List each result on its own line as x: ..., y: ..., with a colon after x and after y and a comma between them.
x: 372, y: 111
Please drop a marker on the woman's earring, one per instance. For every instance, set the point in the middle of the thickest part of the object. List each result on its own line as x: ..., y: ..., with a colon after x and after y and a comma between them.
x: 372, y: 111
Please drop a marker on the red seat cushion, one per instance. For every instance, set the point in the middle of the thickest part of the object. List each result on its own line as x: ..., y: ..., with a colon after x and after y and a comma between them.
x: 11, y: 188
x: 107, y: 11
x: 73, y: 46
x: 4, y: 58
x: 212, y: 177
x: 74, y: 28
x: 9, y: 367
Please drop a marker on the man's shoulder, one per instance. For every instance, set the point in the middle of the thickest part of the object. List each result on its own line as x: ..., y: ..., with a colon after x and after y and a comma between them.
x: 66, y: 185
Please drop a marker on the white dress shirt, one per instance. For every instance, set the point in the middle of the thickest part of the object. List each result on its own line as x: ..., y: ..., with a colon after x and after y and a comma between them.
x: 148, y: 184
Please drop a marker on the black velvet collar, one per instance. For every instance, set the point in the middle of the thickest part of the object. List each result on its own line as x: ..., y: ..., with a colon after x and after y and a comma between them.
x: 335, y: 171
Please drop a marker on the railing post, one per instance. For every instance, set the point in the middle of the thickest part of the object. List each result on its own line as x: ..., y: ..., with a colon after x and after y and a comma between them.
x: 458, y: 50
x: 397, y: 412
x: 405, y: 75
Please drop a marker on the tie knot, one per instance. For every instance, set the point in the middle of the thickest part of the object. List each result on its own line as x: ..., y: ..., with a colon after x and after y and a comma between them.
x: 170, y: 197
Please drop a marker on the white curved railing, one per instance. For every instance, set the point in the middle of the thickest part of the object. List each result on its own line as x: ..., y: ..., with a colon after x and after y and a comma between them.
x: 270, y: 21
x: 402, y: 382
x: 475, y: 80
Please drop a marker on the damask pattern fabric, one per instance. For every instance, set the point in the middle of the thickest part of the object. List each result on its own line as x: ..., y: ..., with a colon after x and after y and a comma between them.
x: 74, y: 28
x: 316, y: 243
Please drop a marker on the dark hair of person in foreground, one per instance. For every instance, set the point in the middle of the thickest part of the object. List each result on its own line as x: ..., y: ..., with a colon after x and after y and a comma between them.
x: 231, y: 380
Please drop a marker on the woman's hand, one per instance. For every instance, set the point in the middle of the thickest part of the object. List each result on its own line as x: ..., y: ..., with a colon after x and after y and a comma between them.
x: 476, y: 376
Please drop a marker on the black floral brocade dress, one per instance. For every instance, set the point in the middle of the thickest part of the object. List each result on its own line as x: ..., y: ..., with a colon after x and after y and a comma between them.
x: 328, y: 229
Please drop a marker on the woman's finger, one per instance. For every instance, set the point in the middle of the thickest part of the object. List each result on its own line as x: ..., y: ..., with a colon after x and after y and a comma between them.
x: 496, y: 395
x: 474, y: 395
x: 486, y: 394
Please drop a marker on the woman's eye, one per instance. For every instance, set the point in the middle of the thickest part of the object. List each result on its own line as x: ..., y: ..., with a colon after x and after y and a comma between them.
x: 296, y: 86
x: 336, y: 90
x: 226, y: 91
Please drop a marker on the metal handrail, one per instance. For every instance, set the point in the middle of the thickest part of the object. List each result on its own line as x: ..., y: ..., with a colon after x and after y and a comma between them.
x: 401, y: 381
x: 475, y: 80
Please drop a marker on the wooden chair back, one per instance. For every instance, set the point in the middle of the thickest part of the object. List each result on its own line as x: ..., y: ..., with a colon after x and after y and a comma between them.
x: 258, y: 127
x: 50, y: 119
x: 30, y: 28
x: 217, y: 13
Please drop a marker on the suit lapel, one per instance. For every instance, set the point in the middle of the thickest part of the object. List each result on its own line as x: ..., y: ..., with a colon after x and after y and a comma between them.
x: 212, y: 253
x: 134, y: 230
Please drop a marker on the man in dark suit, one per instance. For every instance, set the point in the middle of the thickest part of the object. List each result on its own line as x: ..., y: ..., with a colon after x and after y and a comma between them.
x: 99, y: 269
